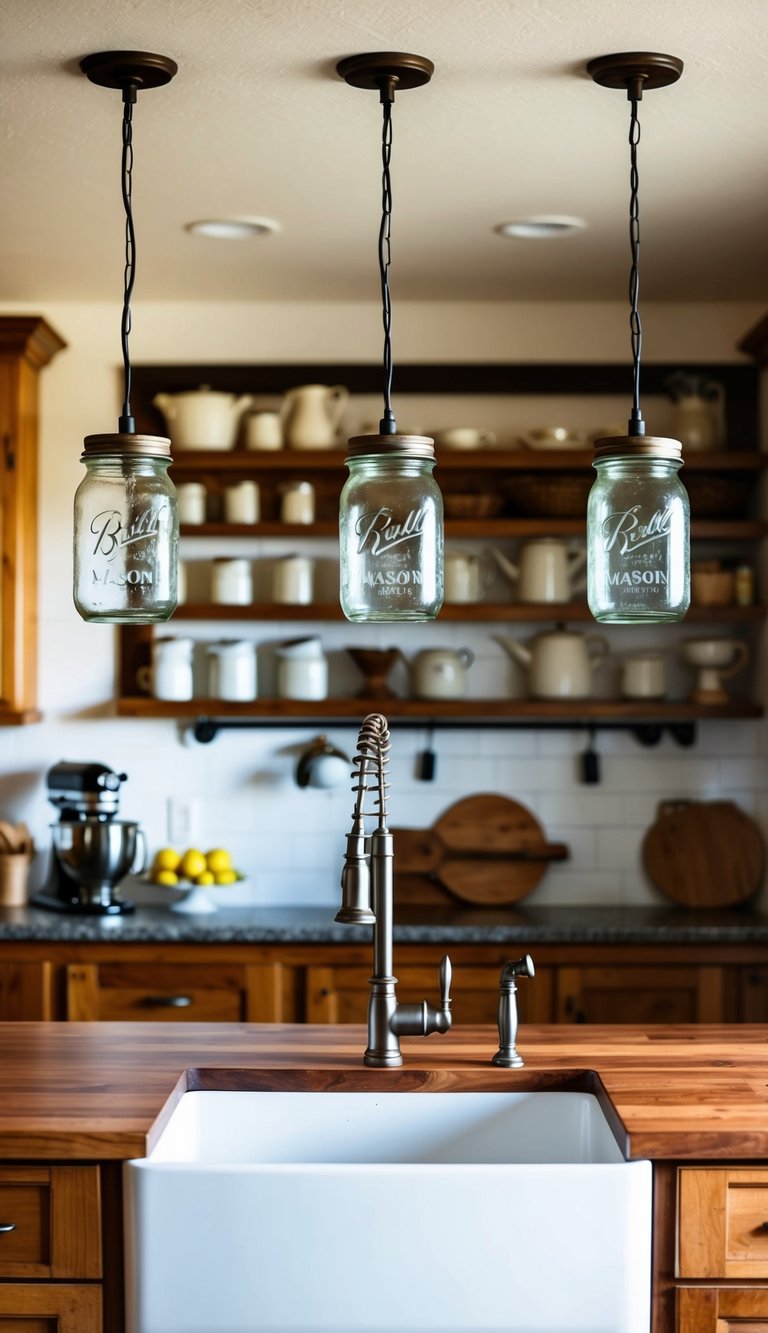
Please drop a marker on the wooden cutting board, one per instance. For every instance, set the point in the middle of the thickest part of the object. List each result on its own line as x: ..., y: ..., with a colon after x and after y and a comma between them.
x: 704, y: 853
x: 484, y: 849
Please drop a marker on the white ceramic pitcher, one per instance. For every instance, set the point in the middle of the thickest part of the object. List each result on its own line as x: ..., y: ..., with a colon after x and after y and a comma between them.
x: 311, y: 414
x: 547, y: 570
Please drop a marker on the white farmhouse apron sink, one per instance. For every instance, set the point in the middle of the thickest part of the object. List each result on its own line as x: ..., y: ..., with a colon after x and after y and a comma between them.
x: 367, y: 1212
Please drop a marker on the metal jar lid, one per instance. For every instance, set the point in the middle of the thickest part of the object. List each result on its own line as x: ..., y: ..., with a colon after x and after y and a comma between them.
x: 126, y: 446
x: 638, y: 446
x: 413, y: 446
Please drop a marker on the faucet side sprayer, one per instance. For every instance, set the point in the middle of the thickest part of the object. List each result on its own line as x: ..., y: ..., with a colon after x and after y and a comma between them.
x: 507, y: 1055
x: 367, y: 882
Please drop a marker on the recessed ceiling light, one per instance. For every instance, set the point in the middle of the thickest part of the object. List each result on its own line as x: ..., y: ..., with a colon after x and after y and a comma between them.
x: 232, y: 229
x: 541, y: 228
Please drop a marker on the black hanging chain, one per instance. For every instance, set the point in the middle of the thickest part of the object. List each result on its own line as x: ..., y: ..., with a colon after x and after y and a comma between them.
x: 387, y: 425
x: 636, y: 423
x: 127, y: 424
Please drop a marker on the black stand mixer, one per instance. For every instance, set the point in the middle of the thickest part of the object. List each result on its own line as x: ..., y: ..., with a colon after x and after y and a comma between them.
x: 92, y: 849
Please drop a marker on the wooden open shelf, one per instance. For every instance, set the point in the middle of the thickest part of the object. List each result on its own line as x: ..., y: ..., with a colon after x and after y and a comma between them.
x: 449, y: 460
x: 703, y: 529
x: 476, y: 612
x: 541, y: 710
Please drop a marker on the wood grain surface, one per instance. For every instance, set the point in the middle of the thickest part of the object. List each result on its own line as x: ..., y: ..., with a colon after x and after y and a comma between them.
x: 705, y: 854
x: 96, y: 1091
x: 484, y: 849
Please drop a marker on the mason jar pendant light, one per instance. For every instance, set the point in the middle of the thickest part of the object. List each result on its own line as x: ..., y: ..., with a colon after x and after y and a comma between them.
x: 126, y: 533
x: 391, y: 510
x: 638, y: 515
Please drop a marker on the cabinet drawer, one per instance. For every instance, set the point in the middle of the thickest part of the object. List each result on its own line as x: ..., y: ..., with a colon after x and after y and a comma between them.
x: 723, y: 1222
x: 52, y: 1216
x: 144, y: 992
x: 29, y: 1308
x: 720, y: 1310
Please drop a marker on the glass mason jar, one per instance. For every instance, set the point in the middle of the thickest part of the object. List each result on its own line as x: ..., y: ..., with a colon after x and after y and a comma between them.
x: 391, y: 530
x: 126, y: 536
x: 638, y: 532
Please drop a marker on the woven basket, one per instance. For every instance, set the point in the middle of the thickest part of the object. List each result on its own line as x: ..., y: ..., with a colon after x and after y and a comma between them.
x: 562, y: 495
x: 717, y: 495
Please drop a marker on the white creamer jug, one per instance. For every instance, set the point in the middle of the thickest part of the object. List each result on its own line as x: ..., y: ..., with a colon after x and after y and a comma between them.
x: 547, y: 570
x: 311, y: 414
x: 203, y: 419
x: 441, y: 673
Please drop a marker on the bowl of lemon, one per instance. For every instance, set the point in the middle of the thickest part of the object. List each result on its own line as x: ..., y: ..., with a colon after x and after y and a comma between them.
x: 193, y: 872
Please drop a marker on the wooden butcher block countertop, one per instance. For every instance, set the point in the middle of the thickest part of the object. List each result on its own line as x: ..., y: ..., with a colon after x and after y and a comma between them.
x: 96, y: 1091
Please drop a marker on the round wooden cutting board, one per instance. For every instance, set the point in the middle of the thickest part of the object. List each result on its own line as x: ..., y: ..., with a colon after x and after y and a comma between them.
x: 484, y: 849
x: 704, y: 853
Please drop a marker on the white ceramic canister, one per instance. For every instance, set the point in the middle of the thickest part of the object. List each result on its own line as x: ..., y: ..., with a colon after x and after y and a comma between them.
x: 232, y: 670
x: 293, y: 578
x: 263, y: 430
x: 192, y: 497
x: 170, y: 675
x: 465, y: 577
x: 302, y: 670
x: 231, y: 581
x: 298, y: 502
x: 242, y: 502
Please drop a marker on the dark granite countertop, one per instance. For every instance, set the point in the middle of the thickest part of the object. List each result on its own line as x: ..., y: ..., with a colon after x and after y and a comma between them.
x: 524, y: 926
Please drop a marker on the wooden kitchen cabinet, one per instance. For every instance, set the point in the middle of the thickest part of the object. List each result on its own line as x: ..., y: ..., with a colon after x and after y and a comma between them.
x: 25, y: 990
x: 753, y: 995
x: 27, y: 344
x: 55, y: 1216
x: 641, y: 994
x: 49, y: 1308
x: 722, y: 1310
x: 339, y: 994
x: 173, y: 992
x: 543, y: 492
x: 723, y: 1222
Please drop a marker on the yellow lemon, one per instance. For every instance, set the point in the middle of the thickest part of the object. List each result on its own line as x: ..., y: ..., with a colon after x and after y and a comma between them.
x: 192, y: 864
x: 166, y: 877
x: 166, y: 859
x: 205, y: 878
x: 218, y: 859
x: 225, y: 876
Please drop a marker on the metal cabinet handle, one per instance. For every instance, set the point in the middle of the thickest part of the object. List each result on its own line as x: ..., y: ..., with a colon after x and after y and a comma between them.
x: 167, y: 1001
x: 7, y: 1226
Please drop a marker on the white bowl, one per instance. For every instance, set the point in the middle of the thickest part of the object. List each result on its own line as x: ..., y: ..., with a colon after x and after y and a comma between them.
x: 709, y: 652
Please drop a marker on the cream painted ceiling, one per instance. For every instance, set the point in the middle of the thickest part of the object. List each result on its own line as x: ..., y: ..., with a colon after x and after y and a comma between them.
x: 257, y: 123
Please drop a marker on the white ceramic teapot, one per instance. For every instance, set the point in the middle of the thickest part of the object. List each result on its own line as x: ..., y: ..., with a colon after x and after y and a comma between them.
x: 441, y: 673
x: 547, y: 570
x: 311, y: 414
x: 559, y: 663
x: 202, y: 419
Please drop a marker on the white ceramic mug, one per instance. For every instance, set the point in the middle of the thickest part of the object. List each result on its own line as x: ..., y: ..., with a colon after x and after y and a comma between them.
x: 231, y: 582
x: 302, y: 670
x: 293, y: 580
x: 465, y: 577
x: 263, y: 430
x: 170, y: 675
x: 192, y: 497
x: 644, y: 677
x: 232, y: 670
x: 241, y: 502
x: 297, y: 504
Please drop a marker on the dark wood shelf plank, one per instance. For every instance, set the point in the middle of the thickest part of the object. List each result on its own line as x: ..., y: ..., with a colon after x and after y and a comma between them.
x: 565, y: 710
x: 449, y: 460
x: 478, y: 612
x: 705, y: 529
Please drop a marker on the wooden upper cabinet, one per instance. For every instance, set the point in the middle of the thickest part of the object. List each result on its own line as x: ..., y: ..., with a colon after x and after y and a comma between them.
x: 27, y: 344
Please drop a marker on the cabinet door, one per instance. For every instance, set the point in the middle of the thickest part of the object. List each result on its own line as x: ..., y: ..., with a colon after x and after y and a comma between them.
x: 639, y: 995
x: 722, y: 1310
x: 49, y: 1308
x: 340, y: 994
x: 723, y: 1222
x: 25, y: 991
x: 162, y: 992
x: 753, y: 994
x: 50, y: 1222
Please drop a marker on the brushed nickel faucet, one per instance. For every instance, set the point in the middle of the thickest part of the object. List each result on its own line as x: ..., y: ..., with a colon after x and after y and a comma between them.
x: 507, y: 1055
x: 367, y: 882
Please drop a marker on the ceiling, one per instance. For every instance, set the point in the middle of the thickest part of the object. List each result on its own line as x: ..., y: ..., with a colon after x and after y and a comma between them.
x: 257, y: 123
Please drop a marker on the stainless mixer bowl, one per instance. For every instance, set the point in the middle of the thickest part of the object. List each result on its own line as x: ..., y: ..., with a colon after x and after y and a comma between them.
x: 97, y: 854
